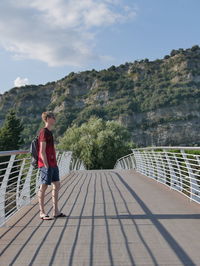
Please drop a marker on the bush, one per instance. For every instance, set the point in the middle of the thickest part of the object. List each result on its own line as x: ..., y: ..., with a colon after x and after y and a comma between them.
x: 98, y: 143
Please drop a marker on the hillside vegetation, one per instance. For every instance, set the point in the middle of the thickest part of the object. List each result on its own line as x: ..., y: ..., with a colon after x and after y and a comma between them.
x: 158, y: 101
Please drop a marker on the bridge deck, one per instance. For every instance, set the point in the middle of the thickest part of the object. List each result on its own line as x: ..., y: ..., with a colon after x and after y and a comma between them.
x: 116, y: 217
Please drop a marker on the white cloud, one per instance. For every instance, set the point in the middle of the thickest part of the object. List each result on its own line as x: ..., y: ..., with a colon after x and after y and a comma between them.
x: 19, y: 82
x: 58, y: 32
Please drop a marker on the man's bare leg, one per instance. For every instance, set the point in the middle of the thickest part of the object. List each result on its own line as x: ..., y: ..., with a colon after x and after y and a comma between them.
x: 55, y: 190
x: 41, y: 194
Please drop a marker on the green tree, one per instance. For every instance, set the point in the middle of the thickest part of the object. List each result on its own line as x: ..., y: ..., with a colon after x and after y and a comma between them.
x: 10, y: 133
x: 98, y: 143
x: 10, y: 139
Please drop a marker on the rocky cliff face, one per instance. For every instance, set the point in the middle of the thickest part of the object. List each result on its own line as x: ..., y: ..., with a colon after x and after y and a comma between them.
x: 167, y: 126
x: 158, y: 101
x: 29, y: 102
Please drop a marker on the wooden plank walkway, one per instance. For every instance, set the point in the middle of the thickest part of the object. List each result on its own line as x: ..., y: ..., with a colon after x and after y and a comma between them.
x: 115, y: 217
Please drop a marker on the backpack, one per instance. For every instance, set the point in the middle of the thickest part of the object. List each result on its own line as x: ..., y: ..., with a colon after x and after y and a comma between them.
x: 34, y: 152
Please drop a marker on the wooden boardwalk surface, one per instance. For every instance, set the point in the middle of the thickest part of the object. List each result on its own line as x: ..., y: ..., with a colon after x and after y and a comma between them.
x: 115, y: 217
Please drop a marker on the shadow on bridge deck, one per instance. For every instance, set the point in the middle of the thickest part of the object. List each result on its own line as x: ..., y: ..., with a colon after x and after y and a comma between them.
x: 115, y: 217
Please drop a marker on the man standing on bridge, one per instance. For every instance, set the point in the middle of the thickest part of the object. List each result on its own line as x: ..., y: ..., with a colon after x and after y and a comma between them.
x: 47, y: 164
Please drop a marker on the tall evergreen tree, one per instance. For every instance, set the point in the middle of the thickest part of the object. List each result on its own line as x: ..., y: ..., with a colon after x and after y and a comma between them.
x: 10, y: 133
x: 10, y: 139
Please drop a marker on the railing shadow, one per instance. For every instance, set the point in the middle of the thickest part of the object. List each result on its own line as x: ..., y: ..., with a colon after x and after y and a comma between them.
x: 93, y: 225
x: 71, y: 257
x: 179, y: 251
x: 111, y: 179
x: 31, y: 208
x: 119, y: 217
x: 62, y: 231
x: 107, y: 227
x: 29, y: 222
x: 121, y: 224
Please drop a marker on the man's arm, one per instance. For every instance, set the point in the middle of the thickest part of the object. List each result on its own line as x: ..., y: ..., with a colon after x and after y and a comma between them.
x: 43, y: 153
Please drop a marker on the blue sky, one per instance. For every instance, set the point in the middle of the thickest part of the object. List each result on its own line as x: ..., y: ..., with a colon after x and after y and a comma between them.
x: 43, y: 41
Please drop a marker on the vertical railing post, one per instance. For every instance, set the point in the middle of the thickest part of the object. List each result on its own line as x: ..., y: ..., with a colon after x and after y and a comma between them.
x: 172, y: 174
x: 193, y: 183
x: 163, y: 179
x: 150, y: 164
x: 123, y: 164
x: 25, y: 195
x: 60, y: 164
x: 157, y: 157
x: 133, y: 162
x: 126, y: 163
x: 130, y: 162
x: 3, y: 189
x: 37, y: 180
x: 64, y: 163
x: 76, y: 164
x: 154, y: 163
x: 138, y: 160
x: 174, y: 178
x: 146, y: 170
x: 179, y: 180
x: 68, y: 154
x: 82, y: 166
x: 18, y: 183
x: 57, y: 156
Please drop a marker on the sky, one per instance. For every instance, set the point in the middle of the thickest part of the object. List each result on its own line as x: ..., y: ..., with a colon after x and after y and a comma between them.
x: 43, y: 41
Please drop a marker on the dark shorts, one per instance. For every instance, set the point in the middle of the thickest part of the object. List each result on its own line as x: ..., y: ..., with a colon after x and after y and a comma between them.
x: 48, y: 175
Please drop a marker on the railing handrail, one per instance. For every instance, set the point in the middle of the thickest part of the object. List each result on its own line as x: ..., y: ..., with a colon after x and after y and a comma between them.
x: 124, y: 156
x: 14, y: 152
x: 168, y: 148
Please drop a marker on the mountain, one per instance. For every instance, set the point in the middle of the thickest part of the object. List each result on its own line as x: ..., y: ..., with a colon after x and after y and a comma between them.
x: 158, y: 101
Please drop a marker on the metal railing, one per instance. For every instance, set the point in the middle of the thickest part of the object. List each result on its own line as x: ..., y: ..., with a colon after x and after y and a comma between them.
x: 19, y: 180
x: 176, y: 167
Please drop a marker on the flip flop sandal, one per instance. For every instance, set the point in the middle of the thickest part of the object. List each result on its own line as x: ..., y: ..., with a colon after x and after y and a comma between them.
x: 60, y: 215
x: 45, y: 217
